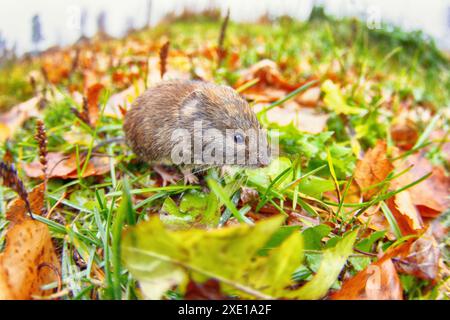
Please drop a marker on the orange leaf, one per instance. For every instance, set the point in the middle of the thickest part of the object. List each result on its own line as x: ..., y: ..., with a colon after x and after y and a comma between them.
x: 404, y: 135
x: 268, y: 74
x: 29, y: 259
x: 379, y: 281
x: 406, y: 214
x: 93, y: 95
x: 65, y: 166
x: 97, y: 166
x: 431, y: 195
x: 372, y: 169
x: 57, y: 66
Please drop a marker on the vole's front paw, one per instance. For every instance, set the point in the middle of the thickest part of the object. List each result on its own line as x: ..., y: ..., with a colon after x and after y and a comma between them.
x: 166, y: 176
x: 189, y: 177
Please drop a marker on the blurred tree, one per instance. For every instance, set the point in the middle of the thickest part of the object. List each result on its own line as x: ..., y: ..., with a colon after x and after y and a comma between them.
x: 36, y: 31
x: 101, y: 23
x: 83, y: 20
x: 2, y: 45
x: 149, y: 13
x: 129, y: 25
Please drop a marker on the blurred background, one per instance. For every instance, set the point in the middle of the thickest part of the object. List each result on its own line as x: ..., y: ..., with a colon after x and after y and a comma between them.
x: 64, y: 22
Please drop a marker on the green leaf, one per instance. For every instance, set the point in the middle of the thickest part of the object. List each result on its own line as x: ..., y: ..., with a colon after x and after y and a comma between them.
x: 367, y: 243
x: 195, y: 208
x: 161, y: 258
x: 278, y: 267
x: 313, y: 236
x: 264, y: 177
x: 278, y: 237
x: 315, y: 186
x: 336, y: 101
x: 331, y: 265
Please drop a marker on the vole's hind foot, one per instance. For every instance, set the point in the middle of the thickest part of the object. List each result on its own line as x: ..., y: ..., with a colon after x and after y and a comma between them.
x: 189, y: 177
x: 166, y: 176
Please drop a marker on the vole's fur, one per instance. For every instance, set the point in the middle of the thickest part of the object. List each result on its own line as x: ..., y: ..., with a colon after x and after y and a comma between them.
x: 171, y: 105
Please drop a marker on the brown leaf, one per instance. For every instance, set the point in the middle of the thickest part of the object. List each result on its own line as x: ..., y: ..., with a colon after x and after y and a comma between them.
x: 97, y: 166
x: 65, y: 166
x: 421, y: 259
x: 418, y: 257
x: 374, y: 218
x: 14, y: 118
x: 405, y: 213
x: 209, y: 290
x: 268, y: 74
x: 29, y: 259
x: 431, y: 195
x: 404, y: 135
x: 57, y: 66
x: 372, y: 169
x: 379, y: 281
x: 93, y: 95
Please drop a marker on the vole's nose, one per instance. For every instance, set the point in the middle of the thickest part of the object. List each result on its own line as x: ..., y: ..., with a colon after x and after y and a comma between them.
x: 261, y: 165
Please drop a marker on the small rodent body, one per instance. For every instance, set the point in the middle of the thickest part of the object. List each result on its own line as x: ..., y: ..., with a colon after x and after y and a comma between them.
x: 155, y: 115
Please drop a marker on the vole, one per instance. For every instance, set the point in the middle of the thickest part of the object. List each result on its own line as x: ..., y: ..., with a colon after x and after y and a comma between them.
x: 187, y: 109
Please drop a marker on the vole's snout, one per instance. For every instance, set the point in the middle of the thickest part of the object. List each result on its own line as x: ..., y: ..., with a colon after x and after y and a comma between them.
x: 261, y: 165
x: 263, y: 161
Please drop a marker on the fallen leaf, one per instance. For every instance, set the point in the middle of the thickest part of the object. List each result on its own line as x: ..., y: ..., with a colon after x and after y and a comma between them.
x: 335, y: 100
x: 310, y: 97
x: 405, y: 213
x: 379, y: 281
x: 404, y: 135
x: 268, y: 74
x: 421, y: 259
x: 93, y: 96
x: 209, y: 290
x: 97, y: 166
x: 122, y: 99
x: 372, y: 169
x: 431, y: 195
x: 29, y: 259
x: 209, y: 254
x: 332, y: 262
x: 57, y: 65
x: 65, y: 166
x: 12, y: 120
x: 376, y: 220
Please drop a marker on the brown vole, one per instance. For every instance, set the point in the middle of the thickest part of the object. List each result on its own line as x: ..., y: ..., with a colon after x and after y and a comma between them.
x: 173, y: 107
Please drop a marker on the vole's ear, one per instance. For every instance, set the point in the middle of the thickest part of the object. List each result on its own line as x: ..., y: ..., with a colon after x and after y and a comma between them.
x: 192, y: 103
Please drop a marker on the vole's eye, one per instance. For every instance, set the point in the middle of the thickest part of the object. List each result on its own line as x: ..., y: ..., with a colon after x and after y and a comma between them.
x: 238, y: 138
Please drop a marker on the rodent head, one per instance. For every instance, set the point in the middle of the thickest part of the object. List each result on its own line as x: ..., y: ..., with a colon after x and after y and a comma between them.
x: 229, y: 127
